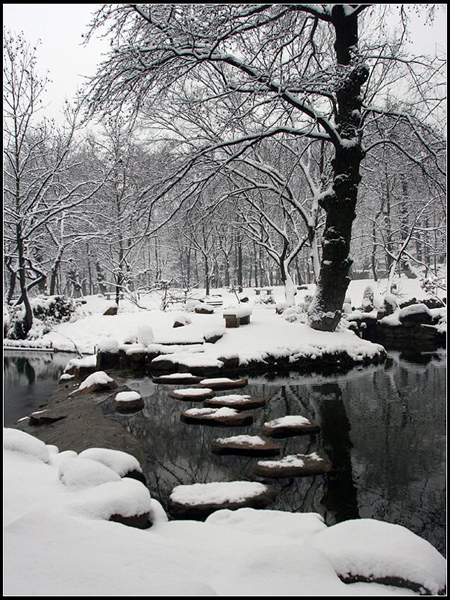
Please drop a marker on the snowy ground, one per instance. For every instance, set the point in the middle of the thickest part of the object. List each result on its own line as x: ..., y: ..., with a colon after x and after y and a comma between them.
x: 266, y: 333
x: 58, y: 540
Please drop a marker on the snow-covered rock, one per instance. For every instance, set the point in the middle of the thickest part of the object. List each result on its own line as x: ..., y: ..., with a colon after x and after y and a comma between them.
x: 94, y: 382
x: 127, y: 401
x: 84, y: 472
x: 120, y: 462
x: 19, y: 441
x: 371, y: 550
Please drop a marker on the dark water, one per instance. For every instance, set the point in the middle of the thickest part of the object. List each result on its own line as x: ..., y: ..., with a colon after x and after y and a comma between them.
x: 29, y: 380
x: 383, y: 427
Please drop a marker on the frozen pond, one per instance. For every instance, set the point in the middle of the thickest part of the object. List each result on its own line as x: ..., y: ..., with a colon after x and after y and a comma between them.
x: 382, y: 427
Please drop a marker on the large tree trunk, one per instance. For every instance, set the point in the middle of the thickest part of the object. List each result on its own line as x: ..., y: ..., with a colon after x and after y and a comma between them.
x: 339, y: 205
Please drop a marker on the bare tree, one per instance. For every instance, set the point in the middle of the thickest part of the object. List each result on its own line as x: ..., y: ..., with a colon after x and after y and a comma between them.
x: 277, y: 59
x: 36, y: 157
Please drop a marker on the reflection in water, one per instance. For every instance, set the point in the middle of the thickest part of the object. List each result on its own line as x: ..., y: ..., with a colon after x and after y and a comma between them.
x: 29, y: 379
x: 383, y: 428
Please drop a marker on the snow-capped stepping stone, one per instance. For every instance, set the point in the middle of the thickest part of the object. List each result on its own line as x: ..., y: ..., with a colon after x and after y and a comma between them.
x: 223, y: 383
x: 178, y: 379
x: 128, y: 401
x: 192, y: 394
x: 216, y: 417
x: 288, y: 426
x: 199, y: 500
x: 248, y: 445
x: 235, y: 401
x: 294, y: 465
x: 375, y: 551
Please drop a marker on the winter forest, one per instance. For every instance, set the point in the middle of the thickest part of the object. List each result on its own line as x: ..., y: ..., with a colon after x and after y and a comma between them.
x: 225, y: 301
x: 228, y: 146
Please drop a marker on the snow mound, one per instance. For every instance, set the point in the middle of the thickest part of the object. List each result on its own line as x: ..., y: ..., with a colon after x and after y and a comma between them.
x: 393, y: 552
x: 298, y: 526
x: 19, y: 441
x: 120, y: 462
x: 84, y: 473
x: 145, y: 335
x: 126, y: 497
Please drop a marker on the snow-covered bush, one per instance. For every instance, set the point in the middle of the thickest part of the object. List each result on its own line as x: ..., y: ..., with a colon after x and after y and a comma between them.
x: 295, y: 313
x: 48, y: 311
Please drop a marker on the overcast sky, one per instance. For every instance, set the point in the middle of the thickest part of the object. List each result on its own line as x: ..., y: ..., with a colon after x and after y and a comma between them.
x: 60, y: 28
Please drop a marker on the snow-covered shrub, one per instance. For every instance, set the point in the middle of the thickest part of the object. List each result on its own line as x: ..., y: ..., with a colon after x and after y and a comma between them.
x: 295, y: 313
x: 48, y: 311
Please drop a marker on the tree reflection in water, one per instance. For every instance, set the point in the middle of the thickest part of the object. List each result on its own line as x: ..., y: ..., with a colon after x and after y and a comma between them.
x: 383, y: 428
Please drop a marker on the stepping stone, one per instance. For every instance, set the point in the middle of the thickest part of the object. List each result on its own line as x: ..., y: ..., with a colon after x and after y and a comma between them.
x: 192, y: 394
x: 178, y: 379
x: 223, y: 383
x: 216, y: 417
x: 128, y: 401
x: 247, y: 445
x: 199, y: 500
x: 235, y: 401
x: 289, y: 426
x: 294, y: 465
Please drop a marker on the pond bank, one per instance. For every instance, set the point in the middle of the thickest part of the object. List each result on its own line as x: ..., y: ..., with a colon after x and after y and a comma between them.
x: 79, y: 423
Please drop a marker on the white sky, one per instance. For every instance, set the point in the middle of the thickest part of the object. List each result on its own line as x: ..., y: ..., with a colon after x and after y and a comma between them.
x: 60, y: 28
